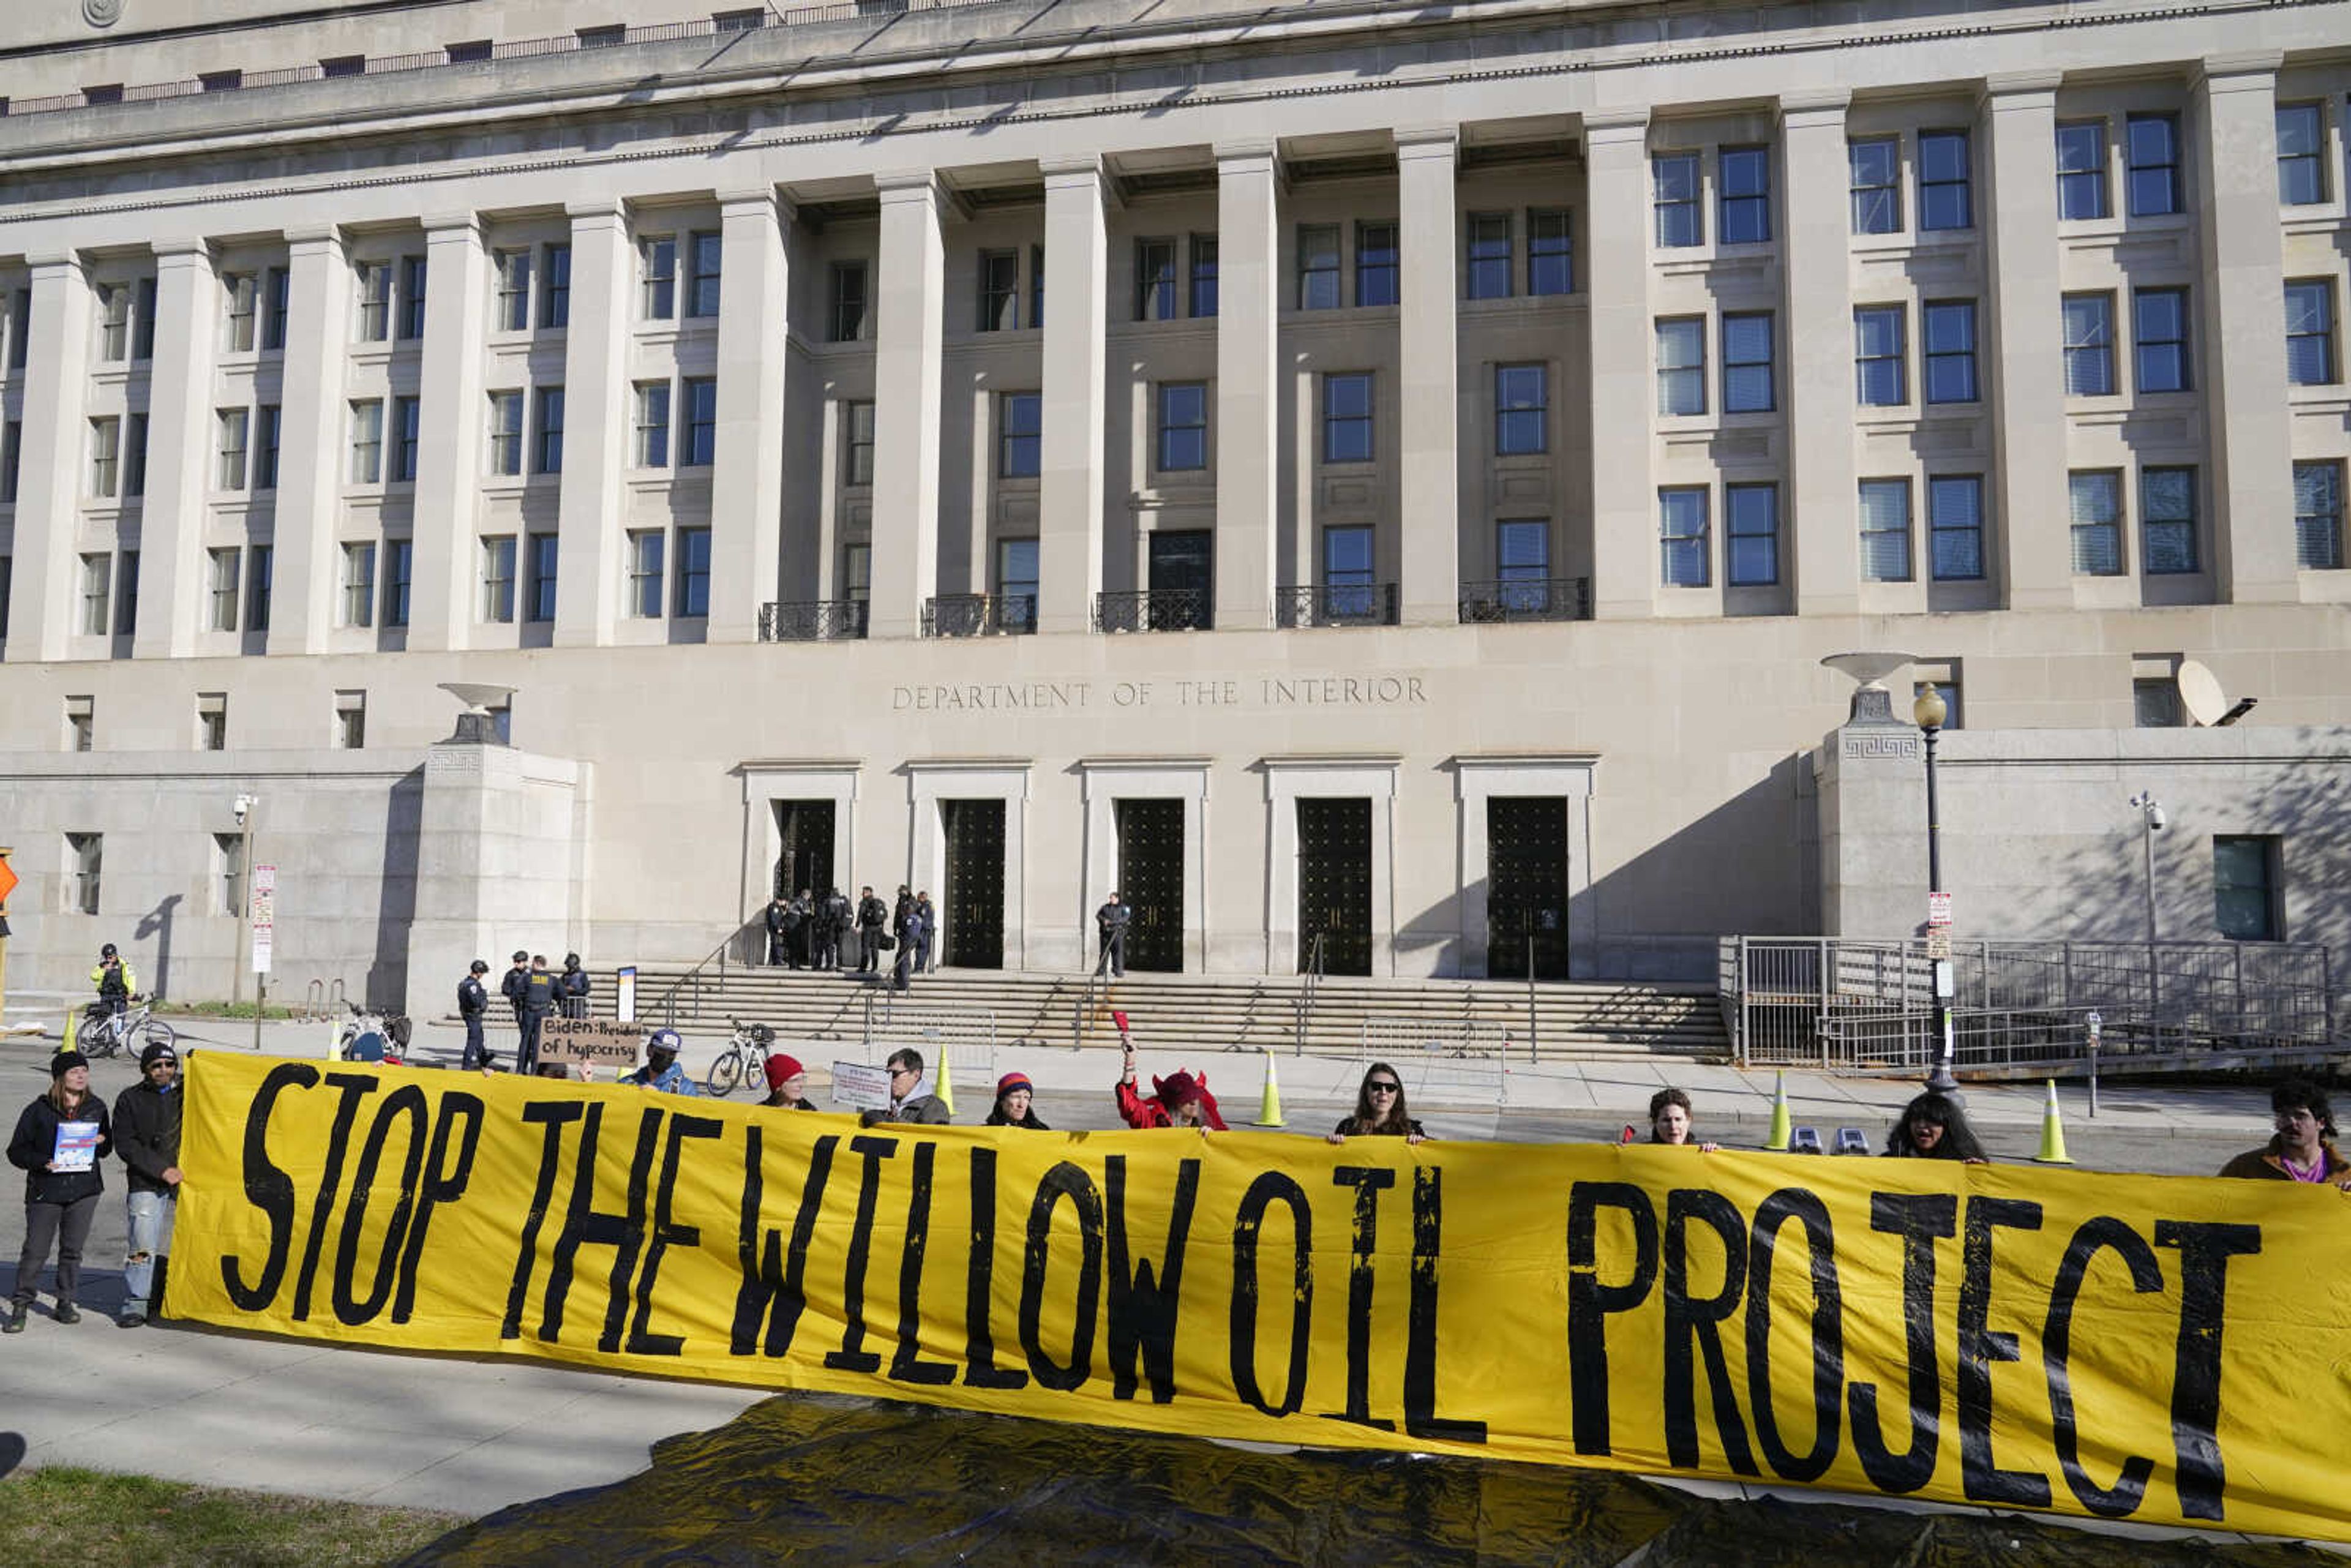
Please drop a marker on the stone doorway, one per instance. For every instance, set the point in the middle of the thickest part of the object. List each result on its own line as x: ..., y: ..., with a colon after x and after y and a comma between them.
x: 1526, y: 898
x: 973, y: 836
x: 1334, y: 883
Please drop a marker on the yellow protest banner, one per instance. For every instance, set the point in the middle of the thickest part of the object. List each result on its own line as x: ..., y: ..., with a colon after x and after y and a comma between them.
x: 2135, y: 1347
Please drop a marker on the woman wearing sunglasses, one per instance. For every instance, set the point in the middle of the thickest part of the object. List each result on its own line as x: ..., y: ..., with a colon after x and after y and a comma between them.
x: 1379, y: 1109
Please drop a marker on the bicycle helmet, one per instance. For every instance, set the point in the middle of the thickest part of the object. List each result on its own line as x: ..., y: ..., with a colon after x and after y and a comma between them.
x: 107, y: 951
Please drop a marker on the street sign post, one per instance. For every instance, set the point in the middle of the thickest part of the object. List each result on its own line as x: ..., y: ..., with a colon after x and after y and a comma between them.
x: 264, y: 931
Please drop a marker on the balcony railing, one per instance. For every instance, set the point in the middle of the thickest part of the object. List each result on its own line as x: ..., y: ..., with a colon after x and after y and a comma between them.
x: 1345, y: 604
x: 1541, y: 599
x: 980, y: 614
x: 1153, y: 609
x: 812, y: 620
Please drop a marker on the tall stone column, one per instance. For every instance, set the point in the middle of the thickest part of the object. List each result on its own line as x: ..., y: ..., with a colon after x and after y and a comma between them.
x: 599, y: 435
x: 911, y: 300
x: 313, y: 453
x: 747, y: 484
x: 1814, y: 263
x: 1249, y: 395
x: 1428, y: 354
x: 48, y: 476
x: 2252, y: 480
x: 451, y: 420
x: 179, y: 452
x: 1615, y: 255
x: 1070, y: 491
x: 2022, y: 345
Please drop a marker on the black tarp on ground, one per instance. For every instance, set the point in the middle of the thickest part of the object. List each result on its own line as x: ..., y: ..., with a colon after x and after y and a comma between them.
x: 824, y: 1479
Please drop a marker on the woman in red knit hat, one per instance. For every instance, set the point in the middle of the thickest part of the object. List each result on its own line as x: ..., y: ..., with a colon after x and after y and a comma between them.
x: 787, y: 1084
x: 1016, y: 1103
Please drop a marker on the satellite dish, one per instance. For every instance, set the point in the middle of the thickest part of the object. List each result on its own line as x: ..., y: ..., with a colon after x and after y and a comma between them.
x: 2200, y: 693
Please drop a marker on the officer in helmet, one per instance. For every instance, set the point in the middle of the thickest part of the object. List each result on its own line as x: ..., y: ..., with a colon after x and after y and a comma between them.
x: 661, y: 1072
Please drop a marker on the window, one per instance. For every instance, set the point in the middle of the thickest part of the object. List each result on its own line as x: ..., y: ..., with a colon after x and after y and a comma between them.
x: 657, y: 267
x: 86, y: 852
x: 2318, y: 516
x: 652, y: 425
x: 105, y: 457
x: 506, y: 433
x: 1521, y: 410
x: 366, y: 442
x: 1945, y: 200
x: 1742, y: 178
x: 228, y: 872
x: 2152, y: 144
x: 857, y: 573
x: 1154, y: 280
x: 358, y: 585
x: 1000, y: 291
x: 407, y: 429
x: 2245, y: 888
x: 2300, y: 154
x: 1375, y: 263
x: 220, y: 81
x: 694, y: 572
x: 1747, y: 363
x: 1522, y: 554
x: 227, y: 568
x: 343, y: 66
x: 1875, y: 182
x: 540, y: 559
x: 1015, y: 580
x: 375, y: 301
x: 12, y: 461
x: 1317, y: 267
x: 857, y: 427
x: 235, y: 425
x: 705, y: 253
x: 2310, y: 332
x: 1881, y: 378
x: 603, y: 36
x: 2089, y: 345
x: 1948, y: 333
x: 2155, y: 704
x: 211, y: 721
x: 350, y: 720
x: 142, y: 330
x: 646, y: 573
x: 134, y: 456
x: 749, y: 20
x: 1347, y: 416
x: 1348, y: 575
x: 1019, y: 447
x: 2166, y: 518
x: 1550, y: 254
x: 244, y: 291
x: 700, y: 448
x: 498, y: 579
x: 113, y: 323
x: 7, y: 585
x: 265, y: 456
x: 1673, y: 196
x: 1486, y: 274
x: 82, y: 723
x: 2159, y: 333
x: 20, y: 328
x: 97, y: 593
x: 555, y: 287
x: 1885, y: 530
x: 260, y: 569
x: 514, y: 291
x: 126, y: 593
x: 1036, y: 286
x: 546, y: 457
x: 1681, y: 365
x: 1203, y: 274
x: 2082, y: 170
x: 845, y: 320
x: 399, y: 564
x: 1751, y: 528
x: 470, y: 53
x: 1183, y: 426
x: 278, y: 298
x: 1955, y: 527
x: 1681, y: 531
x: 2094, y: 502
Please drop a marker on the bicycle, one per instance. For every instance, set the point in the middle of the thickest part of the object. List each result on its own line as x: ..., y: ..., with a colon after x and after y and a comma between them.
x: 743, y: 1061
x: 112, y: 1032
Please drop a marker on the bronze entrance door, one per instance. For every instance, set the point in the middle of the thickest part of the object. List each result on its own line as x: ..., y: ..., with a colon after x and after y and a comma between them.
x: 1526, y: 886
x: 1335, y: 885
x: 804, y: 828
x: 1151, y: 877
x: 974, y: 831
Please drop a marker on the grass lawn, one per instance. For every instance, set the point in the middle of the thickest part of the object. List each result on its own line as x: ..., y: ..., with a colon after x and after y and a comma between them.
x: 65, y: 1515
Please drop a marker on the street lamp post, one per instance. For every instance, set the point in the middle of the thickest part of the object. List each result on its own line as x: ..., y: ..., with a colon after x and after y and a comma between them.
x: 1929, y: 712
x: 2151, y: 821
x: 246, y: 806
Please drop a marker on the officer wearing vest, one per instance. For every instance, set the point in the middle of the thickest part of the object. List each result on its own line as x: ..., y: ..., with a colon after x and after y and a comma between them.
x: 797, y: 912
x: 472, y: 1004
x: 538, y: 996
x: 116, y: 986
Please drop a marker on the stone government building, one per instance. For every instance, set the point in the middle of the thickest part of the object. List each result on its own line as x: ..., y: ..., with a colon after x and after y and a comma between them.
x: 1388, y: 473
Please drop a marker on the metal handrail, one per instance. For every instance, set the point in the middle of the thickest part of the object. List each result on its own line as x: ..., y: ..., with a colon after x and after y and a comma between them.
x: 666, y: 1003
x: 980, y: 614
x: 1346, y: 604
x: 1312, y: 970
x: 1538, y: 599
x: 813, y: 621
x: 1153, y: 609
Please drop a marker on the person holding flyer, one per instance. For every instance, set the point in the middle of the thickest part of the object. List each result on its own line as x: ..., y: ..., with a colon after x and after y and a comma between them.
x: 60, y: 1142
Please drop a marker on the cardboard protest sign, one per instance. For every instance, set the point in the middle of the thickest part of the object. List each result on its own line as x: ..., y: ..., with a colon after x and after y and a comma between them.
x: 598, y: 1042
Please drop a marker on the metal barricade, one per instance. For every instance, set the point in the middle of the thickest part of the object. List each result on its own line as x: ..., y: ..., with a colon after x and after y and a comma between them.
x: 962, y: 1036
x: 1444, y: 1062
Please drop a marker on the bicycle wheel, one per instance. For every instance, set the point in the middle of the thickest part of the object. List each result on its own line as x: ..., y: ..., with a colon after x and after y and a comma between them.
x: 157, y: 1032
x: 725, y: 1075
x: 101, y: 1042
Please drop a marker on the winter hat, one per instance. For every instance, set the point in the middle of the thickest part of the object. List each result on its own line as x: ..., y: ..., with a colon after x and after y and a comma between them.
x: 782, y: 1068
x: 1011, y: 1080
x: 1180, y: 1089
x: 158, y: 1050
x: 65, y: 1061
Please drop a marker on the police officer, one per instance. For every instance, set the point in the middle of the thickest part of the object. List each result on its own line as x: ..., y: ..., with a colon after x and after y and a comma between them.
x: 511, y: 988
x: 473, y: 1002
x: 539, y: 999
x: 571, y: 988
x: 798, y: 914
x: 116, y: 986
x: 775, y: 922
x: 832, y: 923
x: 1111, y: 922
x: 872, y: 915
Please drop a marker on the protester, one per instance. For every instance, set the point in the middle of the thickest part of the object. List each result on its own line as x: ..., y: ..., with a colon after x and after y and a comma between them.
x: 1933, y: 1127
x: 473, y: 1005
x: 147, y: 1137
x: 1179, y: 1101
x: 1016, y: 1104
x: 61, y: 1143
x: 661, y: 1072
x: 905, y: 1103
x: 1669, y: 1120
x: 2303, y: 1148
x: 1379, y: 1109
x: 787, y: 1084
x: 571, y: 988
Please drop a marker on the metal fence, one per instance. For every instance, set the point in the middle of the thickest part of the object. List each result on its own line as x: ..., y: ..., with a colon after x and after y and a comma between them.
x: 963, y: 1037
x: 1831, y: 1002
x: 1445, y: 1062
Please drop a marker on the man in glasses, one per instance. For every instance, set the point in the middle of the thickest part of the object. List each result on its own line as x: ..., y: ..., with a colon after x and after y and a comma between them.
x: 147, y: 1137
x: 907, y: 1102
x: 2303, y: 1148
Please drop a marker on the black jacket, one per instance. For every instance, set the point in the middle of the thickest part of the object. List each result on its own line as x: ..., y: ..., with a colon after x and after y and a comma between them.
x: 538, y: 995
x: 511, y: 988
x: 571, y: 983
x: 872, y: 912
x: 35, y: 1145
x: 473, y: 998
x: 779, y: 919
x: 147, y: 1133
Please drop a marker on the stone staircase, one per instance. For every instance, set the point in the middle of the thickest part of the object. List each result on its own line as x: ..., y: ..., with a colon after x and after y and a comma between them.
x: 1196, y: 1013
